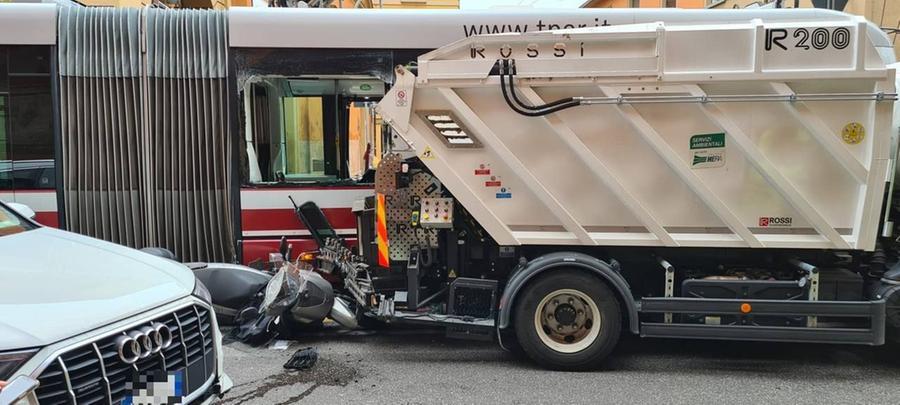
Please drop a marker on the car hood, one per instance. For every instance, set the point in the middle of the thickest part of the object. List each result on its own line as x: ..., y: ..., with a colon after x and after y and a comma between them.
x: 55, y: 284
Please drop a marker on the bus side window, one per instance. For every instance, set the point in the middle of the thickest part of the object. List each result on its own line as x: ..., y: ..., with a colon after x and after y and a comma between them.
x: 26, y: 117
x: 5, y: 158
x: 304, y: 137
x: 364, y: 134
x: 47, y: 179
x: 312, y: 130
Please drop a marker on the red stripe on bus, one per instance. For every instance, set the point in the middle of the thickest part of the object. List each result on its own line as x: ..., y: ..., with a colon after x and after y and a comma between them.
x: 255, y: 250
x: 285, y: 219
x: 47, y: 218
x: 294, y: 188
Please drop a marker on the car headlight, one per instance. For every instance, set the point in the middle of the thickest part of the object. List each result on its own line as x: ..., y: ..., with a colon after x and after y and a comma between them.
x: 201, y: 292
x: 10, y: 361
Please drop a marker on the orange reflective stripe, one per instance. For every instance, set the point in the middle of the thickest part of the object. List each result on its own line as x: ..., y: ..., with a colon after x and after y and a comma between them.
x: 381, y: 235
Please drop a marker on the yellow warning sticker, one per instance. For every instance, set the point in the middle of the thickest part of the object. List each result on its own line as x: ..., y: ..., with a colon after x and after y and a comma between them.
x: 853, y: 133
x: 427, y: 153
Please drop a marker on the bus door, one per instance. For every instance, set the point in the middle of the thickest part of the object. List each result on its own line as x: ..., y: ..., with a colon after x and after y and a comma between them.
x: 313, y: 139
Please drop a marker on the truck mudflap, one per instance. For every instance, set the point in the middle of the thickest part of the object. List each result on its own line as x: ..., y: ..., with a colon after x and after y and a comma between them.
x: 873, y: 335
x: 606, y: 271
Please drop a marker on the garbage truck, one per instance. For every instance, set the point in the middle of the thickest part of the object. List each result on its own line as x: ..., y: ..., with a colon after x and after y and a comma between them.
x: 555, y: 190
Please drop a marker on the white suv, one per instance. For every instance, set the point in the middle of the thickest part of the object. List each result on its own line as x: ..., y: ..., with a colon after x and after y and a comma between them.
x: 86, y: 321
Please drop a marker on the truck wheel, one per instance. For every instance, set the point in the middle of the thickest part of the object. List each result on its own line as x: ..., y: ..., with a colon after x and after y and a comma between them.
x: 567, y: 320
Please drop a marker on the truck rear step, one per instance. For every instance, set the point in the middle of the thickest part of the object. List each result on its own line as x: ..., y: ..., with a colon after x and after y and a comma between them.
x: 457, y: 327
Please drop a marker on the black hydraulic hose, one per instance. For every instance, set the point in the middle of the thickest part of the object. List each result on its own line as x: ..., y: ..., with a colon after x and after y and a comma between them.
x: 522, y: 108
x: 522, y: 104
x: 509, y: 68
x: 511, y: 104
x: 538, y: 113
x: 530, y: 111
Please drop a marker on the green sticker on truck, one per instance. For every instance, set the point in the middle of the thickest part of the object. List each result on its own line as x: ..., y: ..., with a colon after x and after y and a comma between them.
x: 708, y: 150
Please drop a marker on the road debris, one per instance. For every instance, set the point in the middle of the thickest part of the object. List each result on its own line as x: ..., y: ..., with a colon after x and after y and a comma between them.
x: 303, y: 359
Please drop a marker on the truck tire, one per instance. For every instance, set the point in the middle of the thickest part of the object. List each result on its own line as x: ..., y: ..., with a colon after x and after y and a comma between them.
x: 567, y: 320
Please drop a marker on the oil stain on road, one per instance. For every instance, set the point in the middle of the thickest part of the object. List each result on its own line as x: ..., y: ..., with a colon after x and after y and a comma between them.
x: 325, y: 372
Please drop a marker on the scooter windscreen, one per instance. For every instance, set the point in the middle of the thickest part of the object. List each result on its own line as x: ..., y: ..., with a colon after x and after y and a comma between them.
x: 282, y: 291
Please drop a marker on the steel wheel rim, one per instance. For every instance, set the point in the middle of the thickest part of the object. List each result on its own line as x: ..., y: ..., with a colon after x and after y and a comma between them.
x: 567, y: 321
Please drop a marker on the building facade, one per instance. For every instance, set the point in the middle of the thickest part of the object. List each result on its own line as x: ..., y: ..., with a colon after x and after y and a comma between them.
x: 435, y: 4
x: 646, y: 3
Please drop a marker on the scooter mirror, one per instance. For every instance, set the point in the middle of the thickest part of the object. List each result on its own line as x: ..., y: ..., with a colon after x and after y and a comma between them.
x: 283, y: 248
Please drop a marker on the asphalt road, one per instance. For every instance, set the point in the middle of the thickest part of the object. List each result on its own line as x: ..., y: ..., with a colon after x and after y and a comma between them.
x: 414, y: 366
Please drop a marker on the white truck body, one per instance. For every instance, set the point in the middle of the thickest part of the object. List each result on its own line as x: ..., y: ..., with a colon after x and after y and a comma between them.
x: 769, y: 135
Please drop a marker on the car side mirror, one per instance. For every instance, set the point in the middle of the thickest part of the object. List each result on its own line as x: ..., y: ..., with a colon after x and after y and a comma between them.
x: 23, y: 210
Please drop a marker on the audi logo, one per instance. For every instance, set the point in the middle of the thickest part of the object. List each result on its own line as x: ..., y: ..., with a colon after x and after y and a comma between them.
x: 141, y: 343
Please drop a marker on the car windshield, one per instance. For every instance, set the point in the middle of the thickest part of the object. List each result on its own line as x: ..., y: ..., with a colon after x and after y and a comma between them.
x: 11, y: 223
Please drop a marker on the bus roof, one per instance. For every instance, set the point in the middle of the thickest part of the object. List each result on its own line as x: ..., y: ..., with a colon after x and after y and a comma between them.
x: 430, y: 29
x: 35, y: 24
x: 27, y: 24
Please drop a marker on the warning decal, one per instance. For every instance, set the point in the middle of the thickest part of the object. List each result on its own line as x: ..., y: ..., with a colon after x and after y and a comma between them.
x: 401, y: 98
x: 853, y: 133
x: 427, y: 153
x: 708, y: 150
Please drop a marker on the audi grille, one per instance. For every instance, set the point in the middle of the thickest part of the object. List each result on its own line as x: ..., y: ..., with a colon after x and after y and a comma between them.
x: 97, y: 372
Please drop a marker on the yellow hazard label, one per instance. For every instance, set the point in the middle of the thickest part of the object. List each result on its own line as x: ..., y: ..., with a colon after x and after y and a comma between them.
x: 853, y: 133
x: 427, y: 153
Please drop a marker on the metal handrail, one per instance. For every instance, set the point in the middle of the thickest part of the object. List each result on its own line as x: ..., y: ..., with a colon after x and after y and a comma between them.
x: 732, y: 98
